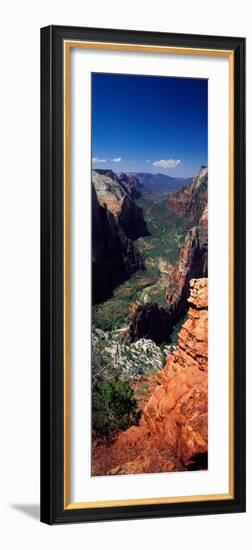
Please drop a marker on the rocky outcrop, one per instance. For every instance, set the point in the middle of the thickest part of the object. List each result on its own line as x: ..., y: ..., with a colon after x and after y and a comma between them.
x: 155, y: 321
x: 191, y: 201
x: 124, y: 361
x: 131, y: 219
x: 193, y: 340
x: 109, y: 192
x: 150, y: 321
x: 193, y: 263
x: 132, y: 184
x: 115, y: 197
x: 114, y: 256
x: 173, y: 431
x: 203, y: 222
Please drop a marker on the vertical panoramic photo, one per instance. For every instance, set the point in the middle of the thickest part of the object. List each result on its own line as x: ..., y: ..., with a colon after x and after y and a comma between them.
x: 149, y: 274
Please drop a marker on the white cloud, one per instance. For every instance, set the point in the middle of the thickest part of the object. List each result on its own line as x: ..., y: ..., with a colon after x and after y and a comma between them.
x: 95, y: 160
x: 169, y: 163
x: 117, y: 159
x: 148, y: 160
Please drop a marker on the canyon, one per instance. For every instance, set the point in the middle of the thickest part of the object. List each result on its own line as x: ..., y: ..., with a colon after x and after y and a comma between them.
x: 156, y: 322
x: 159, y: 185
x: 150, y: 322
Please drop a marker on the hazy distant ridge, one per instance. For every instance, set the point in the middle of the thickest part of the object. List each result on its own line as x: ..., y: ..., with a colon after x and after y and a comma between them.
x: 160, y: 183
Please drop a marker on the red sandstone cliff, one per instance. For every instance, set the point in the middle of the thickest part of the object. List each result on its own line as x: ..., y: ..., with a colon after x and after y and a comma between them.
x: 191, y: 201
x: 193, y: 264
x: 172, y: 434
x: 155, y: 321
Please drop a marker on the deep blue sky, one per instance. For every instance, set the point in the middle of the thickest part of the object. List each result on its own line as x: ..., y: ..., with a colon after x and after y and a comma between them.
x: 136, y: 119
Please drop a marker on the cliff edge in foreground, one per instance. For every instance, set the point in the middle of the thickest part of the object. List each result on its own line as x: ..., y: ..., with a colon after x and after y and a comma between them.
x: 173, y: 431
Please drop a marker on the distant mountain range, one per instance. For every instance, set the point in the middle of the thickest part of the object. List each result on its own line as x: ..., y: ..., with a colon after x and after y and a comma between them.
x: 118, y: 220
x: 146, y: 183
x: 159, y: 183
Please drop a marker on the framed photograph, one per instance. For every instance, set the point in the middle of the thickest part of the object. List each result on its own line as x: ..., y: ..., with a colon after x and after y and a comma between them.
x: 142, y: 274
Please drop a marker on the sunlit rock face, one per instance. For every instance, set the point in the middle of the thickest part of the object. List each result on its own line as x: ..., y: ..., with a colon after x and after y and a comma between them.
x: 132, y: 184
x: 114, y: 256
x: 116, y: 222
x: 191, y: 201
x: 114, y: 195
x: 173, y: 431
x: 193, y: 264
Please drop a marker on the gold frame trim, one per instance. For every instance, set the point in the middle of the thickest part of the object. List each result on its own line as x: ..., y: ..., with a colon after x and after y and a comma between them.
x: 68, y: 505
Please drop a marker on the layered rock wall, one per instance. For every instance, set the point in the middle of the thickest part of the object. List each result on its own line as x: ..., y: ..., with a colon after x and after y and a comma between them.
x: 193, y: 263
x: 173, y: 431
x: 114, y: 257
x: 190, y: 202
x: 114, y: 196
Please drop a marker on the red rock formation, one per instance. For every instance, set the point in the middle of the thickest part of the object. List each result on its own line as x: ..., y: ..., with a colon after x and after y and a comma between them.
x: 173, y: 431
x: 193, y: 263
x: 191, y: 201
x: 155, y: 321
x: 204, y: 218
x: 149, y: 321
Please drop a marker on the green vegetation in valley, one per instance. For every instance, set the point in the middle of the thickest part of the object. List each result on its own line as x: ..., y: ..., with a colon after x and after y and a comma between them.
x: 160, y: 252
x: 167, y: 232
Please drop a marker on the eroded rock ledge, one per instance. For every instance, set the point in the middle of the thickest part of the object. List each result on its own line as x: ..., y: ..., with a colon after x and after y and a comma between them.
x: 173, y: 431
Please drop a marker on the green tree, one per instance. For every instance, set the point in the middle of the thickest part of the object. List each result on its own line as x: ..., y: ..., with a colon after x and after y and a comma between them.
x: 114, y: 407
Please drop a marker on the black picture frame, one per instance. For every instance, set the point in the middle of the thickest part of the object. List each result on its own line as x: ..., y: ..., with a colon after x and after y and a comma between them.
x: 52, y: 303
